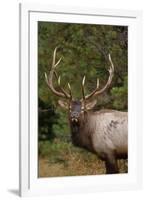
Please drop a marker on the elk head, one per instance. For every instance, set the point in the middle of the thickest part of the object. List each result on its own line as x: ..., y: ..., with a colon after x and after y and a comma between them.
x: 76, y: 108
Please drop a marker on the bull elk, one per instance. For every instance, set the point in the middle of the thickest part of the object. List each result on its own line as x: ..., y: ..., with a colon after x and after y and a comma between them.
x: 103, y: 132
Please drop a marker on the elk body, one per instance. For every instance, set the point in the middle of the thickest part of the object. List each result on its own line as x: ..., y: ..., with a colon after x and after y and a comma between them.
x: 103, y: 132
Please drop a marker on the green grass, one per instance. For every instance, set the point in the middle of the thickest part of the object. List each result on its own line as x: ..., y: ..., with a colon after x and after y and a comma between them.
x: 60, y: 158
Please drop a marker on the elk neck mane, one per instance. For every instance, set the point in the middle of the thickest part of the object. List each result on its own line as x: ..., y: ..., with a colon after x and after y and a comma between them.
x: 81, y: 133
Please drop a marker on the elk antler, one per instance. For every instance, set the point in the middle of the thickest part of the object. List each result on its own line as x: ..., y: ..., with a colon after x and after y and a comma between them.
x: 97, y: 91
x: 49, y: 80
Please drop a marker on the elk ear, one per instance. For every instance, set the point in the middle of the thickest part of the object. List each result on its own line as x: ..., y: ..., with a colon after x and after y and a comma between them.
x: 63, y: 104
x: 91, y: 104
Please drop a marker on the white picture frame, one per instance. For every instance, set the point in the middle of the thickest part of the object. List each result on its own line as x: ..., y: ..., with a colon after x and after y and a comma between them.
x: 30, y: 184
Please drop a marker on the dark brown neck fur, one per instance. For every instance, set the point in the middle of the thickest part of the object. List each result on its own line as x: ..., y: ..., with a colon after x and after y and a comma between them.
x: 81, y: 134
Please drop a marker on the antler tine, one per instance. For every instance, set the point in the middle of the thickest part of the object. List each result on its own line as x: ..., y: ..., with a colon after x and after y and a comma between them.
x: 112, y: 65
x: 70, y: 90
x: 83, y: 87
x: 54, y: 57
x: 46, y: 78
x: 58, y: 62
x: 96, y: 91
x: 59, y: 80
x: 97, y: 83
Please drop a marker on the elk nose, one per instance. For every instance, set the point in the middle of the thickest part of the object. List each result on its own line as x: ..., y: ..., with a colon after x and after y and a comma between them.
x: 74, y: 114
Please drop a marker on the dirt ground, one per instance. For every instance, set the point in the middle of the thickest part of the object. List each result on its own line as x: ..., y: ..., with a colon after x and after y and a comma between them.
x: 74, y: 167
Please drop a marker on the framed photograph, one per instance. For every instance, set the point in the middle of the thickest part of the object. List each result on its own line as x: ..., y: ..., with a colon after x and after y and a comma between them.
x: 80, y: 100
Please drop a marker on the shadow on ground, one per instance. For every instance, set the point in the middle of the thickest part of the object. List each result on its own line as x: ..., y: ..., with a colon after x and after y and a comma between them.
x: 14, y: 191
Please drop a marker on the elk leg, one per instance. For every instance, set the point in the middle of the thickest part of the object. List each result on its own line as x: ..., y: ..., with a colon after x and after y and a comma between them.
x: 111, y: 164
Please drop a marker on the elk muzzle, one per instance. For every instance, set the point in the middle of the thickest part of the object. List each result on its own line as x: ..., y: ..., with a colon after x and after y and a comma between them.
x: 74, y: 116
